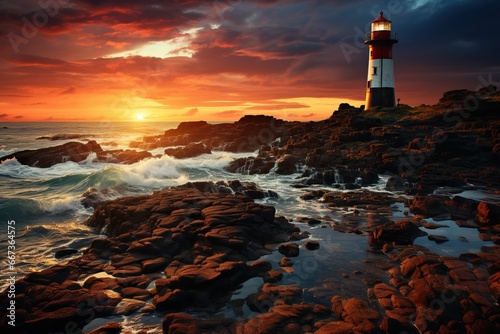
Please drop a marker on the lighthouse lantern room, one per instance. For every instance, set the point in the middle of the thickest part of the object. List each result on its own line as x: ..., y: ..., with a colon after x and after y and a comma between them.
x: 380, y: 86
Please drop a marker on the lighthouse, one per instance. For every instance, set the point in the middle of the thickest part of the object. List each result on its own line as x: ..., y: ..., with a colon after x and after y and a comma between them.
x: 380, y: 85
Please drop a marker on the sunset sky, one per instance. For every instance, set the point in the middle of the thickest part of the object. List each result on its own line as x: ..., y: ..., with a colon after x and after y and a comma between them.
x: 217, y: 60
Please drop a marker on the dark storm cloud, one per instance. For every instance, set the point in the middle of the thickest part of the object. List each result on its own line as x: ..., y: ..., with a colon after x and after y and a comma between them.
x: 317, y: 45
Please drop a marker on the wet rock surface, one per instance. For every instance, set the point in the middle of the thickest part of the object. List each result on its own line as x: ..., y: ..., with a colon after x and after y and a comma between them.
x: 423, y: 148
x: 176, y: 249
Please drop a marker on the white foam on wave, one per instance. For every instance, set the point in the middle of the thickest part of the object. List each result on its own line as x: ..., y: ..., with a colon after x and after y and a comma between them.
x: 15, y: 169
x: 151, y: 173
x: 60, y: 205
x: 12, y: 168
x: 215, y: 161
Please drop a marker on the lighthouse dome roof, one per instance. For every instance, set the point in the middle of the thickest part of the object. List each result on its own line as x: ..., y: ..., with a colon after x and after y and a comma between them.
x: 381, y: 18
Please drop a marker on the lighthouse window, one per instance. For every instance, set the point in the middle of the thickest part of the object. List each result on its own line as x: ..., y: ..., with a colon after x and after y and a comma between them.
x: 374, y: 70
x: 381, y: 26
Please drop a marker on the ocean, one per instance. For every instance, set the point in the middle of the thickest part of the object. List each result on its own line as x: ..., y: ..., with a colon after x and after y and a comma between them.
x: 46, y: 203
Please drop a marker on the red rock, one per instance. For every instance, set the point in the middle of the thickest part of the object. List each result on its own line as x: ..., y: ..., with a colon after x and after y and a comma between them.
x: 462, y: 274
x: 296, y: 311
x: 292, y: 328
x: 287, y: 165
x: 289, y: 250
x: 109, y: 328
x: 467, y: 224
x: 336, y: 327
x: 271, y: 294
x: 179, y: 323
x: 154, y: 265
x: 172, y: 300
x: 401, y: 302
x: 189, y: 151
x: 136, y: 281
x: 356, y: 311
x: 312, y: 245
x: 126, y: 271
x: 265, y: 323
x: 409, y: 265
x: 428, y: 206
x: 273, y: 276
x: 403, y: 232
x: 482, y: 300
x: 56, y: 274
x: 128, y: 306
x: 286, y: 262
x: 321, y: 310
x: 390, y: 326
x: 481, y: 326
x: 137, y: 293
x: 422, y: 292
x: 488, y: 213
x: 433, y: 226
x: 49, y: 321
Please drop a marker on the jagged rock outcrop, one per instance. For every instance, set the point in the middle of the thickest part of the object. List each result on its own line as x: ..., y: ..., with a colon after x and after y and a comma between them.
x: 75, y: 152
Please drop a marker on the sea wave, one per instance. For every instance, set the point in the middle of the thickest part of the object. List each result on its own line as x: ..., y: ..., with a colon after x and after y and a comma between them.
x: 26, y: 210
x: 58, y: 190
x: 36, y: 245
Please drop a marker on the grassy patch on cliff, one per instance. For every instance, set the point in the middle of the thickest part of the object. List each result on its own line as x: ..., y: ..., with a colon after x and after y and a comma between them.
x: 391, y: 114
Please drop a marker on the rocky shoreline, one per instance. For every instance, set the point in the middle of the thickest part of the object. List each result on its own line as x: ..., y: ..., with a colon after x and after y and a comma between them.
x: 181, y: 253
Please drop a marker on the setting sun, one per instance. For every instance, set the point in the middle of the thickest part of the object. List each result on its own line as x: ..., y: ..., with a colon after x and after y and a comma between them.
x: 140, y: 117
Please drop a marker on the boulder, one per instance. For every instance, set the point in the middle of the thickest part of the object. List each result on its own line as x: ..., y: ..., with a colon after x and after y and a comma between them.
x: 191, y: 126
x: 312, y: 245
x: 428, y: 206
x: 396, y: 183
x: 189, y: 151
x: 488, y: 213
x: 287, y: 165
x: 47, y: 157
x: 455, y: 97
x: 402, y: 232
x: 65, y: 252
x: 109, y: 328
x: 290, y: 250
x: 251, y: 166
x: 354, y: 310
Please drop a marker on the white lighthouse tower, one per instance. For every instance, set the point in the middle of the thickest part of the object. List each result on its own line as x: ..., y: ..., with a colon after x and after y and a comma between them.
x: 380, y: 86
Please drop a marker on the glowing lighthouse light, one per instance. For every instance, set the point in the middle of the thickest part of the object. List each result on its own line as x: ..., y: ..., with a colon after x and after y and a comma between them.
x: 380, y: 86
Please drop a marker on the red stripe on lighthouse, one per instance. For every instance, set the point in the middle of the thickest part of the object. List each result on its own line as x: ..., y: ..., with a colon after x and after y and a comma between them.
x: 380, y: 52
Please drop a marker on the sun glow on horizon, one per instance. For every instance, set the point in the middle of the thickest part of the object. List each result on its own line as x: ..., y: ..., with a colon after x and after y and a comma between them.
x: 140, y: 117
